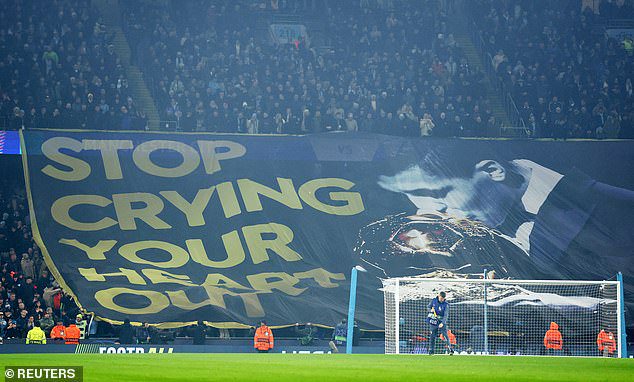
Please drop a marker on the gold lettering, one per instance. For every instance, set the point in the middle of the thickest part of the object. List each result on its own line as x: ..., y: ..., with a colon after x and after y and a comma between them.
x: 220, y: 280
x: 178, y: 256
x: 157, y: 300
x: 127, y: 215
x: 98, y: 252
x: 193, y: 211
x: 142, y: 158
x: 258, y: 246
x: 109, y: 154
x: 286, y: 283
x: 321, y: 277
x: 133, y: 277
x: 228, y: 199
x: 233, y: 247
x: 158, y: 276
x: 353, y: 205
x: 60, y: 211
x: 215, y: 297
x: 251, y: 192
x: 79, y: 170
x: 209, y: 150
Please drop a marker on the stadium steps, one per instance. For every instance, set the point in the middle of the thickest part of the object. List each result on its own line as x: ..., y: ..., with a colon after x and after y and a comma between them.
x: 109, y: 9
x: 473, y: 57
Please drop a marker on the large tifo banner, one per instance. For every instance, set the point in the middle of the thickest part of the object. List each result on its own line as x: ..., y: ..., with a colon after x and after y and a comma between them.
x: 231, y: 229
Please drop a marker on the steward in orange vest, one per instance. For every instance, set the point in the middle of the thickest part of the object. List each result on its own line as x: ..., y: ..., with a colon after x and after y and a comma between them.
x: 553, y: 339
x: 72, y: 335
x: 606, y: 343
x: 263, y: 339
x: 59, y: 331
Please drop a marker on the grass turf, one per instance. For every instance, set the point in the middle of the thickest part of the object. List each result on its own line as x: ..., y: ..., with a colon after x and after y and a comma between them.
x: 327, y: 368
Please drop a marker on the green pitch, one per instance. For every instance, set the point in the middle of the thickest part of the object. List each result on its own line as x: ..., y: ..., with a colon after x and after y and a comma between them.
x: 327, y: 368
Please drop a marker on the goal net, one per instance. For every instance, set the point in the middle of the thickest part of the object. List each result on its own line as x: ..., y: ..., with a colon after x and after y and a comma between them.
x: 506, y: 317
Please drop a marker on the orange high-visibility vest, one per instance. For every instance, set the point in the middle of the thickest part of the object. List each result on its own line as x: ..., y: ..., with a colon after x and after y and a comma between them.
x: 553, y: 339
x: 263, y: 339
x: 72, y: 335
x: 58, y: 331
x: 605, y: 340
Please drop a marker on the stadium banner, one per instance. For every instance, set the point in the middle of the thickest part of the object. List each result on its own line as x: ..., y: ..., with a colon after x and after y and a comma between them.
x: 172, y: 228
x: 288, y: 33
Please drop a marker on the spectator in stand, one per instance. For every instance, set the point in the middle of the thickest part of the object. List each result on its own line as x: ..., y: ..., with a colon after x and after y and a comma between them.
x: 11, y: 330
x: 351, y: 123
x: 426, y: 125
x: 57, y: 58
x: 47, y: 323
x: 22, y: 323
x: 253, y: 124
x: 24, y: 301
x: 542, y: 51
x: 205, y: 59
x: 3, y: 324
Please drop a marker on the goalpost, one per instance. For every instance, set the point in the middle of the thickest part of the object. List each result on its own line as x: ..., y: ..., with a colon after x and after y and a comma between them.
x: 507, y: 317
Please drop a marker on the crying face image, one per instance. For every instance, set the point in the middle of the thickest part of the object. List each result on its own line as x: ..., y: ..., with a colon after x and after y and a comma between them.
x: 413, y: 244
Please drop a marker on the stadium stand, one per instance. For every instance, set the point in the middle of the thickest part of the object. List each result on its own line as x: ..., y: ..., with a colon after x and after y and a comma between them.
x: 28, y: 291
x: 386, y: 66
x: 394, y: 72
x: 58, y: 69
x: 568, y: 77
x: 391, y: 67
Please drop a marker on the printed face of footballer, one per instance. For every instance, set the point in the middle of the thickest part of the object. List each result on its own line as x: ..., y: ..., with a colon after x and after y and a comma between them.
x: 407, y: 245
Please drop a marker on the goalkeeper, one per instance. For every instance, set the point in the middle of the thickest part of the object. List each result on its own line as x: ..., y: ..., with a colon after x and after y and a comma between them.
x: 437, y: 319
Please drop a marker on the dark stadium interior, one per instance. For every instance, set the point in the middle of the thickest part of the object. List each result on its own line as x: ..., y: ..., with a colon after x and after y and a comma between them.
x: 426, y: 69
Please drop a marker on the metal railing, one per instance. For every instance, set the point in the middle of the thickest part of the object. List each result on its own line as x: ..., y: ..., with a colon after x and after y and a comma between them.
x: 515, y: 132
x: 620, y: 23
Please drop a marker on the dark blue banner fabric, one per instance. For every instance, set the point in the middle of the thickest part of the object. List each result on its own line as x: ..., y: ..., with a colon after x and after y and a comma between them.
x: 231, y: 229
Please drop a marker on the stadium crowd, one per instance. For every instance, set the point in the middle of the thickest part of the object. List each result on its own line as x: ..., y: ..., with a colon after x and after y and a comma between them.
x: 58, y: 69
x: 28, y: 292
x: 567, y: 80
x: 398, y: 72
x: 390, y: 67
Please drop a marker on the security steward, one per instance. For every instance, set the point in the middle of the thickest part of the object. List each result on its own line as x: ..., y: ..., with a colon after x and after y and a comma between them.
x: 606, y: 343
x: 36, y: 336
x: 58, y: 332
x: 263, y: 339
x: 553, y: 341
x: 72, y: 335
